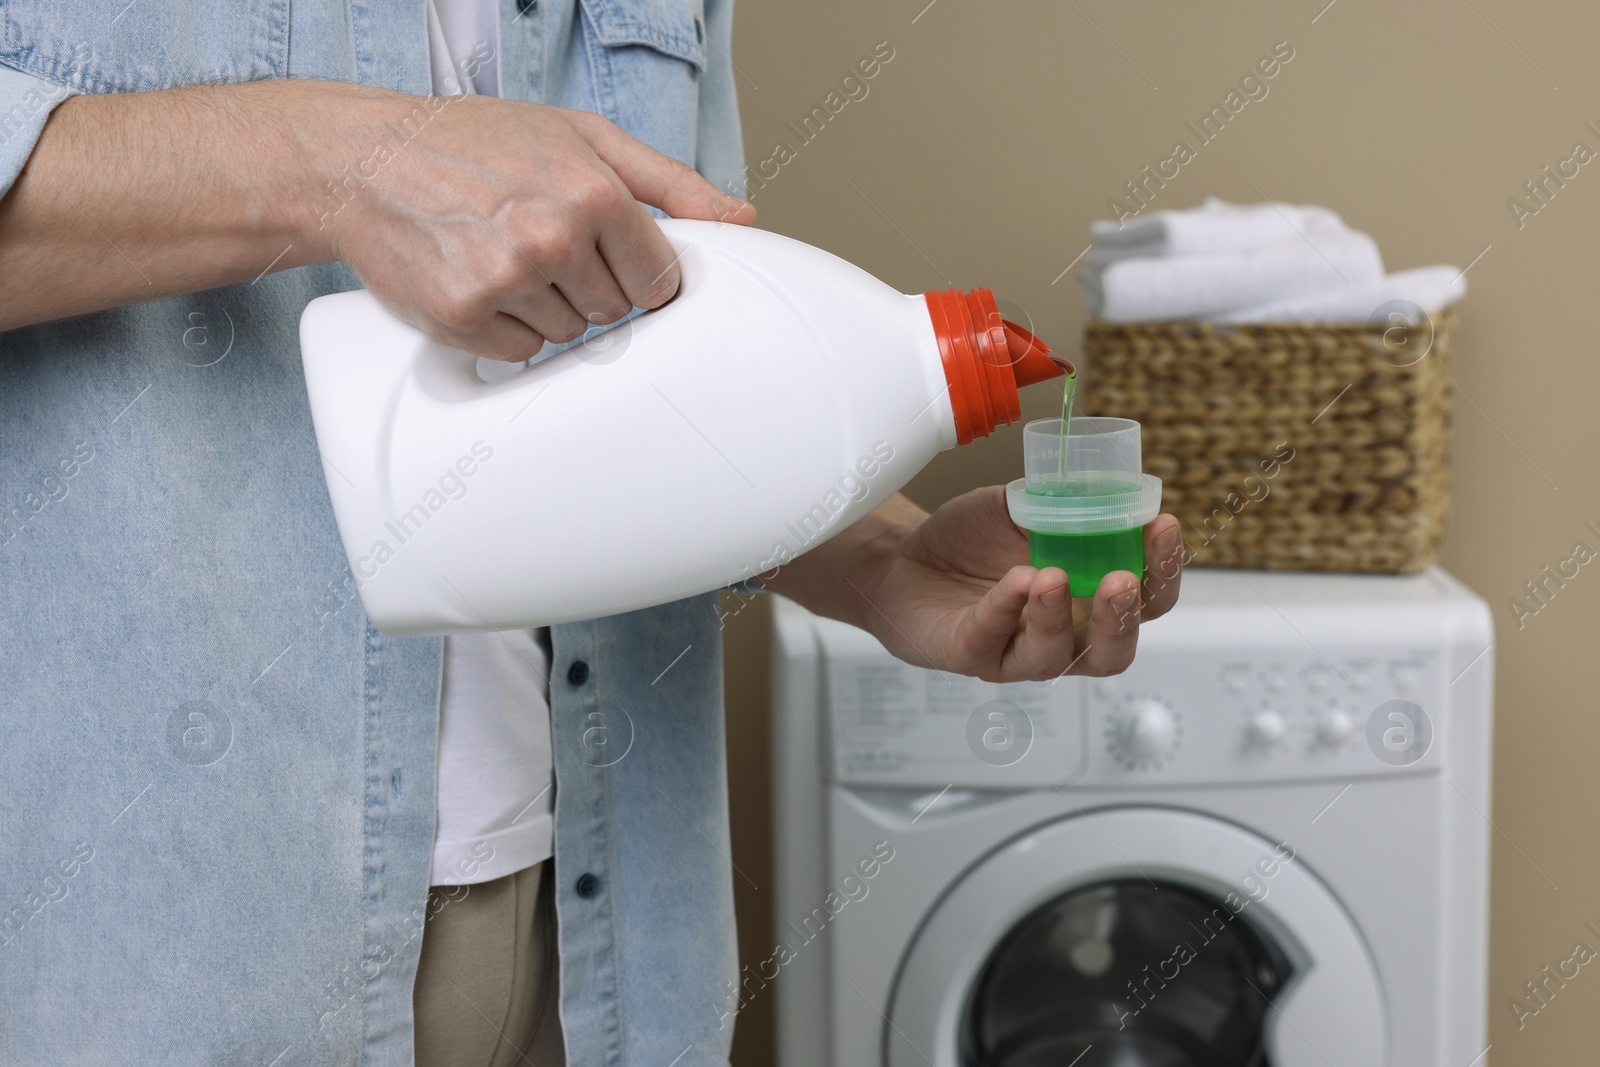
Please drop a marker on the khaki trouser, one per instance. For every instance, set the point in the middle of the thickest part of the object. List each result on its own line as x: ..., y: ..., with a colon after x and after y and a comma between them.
x: 488, y: 985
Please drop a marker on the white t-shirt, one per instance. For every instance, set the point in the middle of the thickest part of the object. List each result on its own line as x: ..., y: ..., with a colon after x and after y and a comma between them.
x: 464, y: 46
x: 495, y: 771
x: 496, y: 775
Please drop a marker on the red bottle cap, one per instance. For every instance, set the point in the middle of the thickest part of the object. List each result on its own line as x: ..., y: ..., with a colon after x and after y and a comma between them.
x: 986, y: 359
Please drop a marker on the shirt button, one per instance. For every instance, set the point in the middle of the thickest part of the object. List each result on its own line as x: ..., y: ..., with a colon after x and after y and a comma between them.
x: 588, y: 885
x: 578, y: 673
x: 525, y: 6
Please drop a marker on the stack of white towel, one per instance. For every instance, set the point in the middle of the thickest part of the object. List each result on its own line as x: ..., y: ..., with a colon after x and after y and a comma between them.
x: 1265, y: 262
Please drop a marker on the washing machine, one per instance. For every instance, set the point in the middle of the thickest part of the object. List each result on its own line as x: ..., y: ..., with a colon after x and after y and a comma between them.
x: 1266, y: 843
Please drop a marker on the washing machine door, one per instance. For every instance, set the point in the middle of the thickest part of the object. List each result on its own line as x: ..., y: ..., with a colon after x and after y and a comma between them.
x: 1138, y: 937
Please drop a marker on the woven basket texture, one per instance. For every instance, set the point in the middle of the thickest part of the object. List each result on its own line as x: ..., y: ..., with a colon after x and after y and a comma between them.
x: 1288, y: 446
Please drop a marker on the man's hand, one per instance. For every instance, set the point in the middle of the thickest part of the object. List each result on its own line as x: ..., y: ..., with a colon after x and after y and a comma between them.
x: 501, y: 224
x: 953, y: 590
x: 491, y: 225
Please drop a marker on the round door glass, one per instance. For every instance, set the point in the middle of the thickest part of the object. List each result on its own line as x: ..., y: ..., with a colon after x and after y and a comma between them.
x: 1126, y: 974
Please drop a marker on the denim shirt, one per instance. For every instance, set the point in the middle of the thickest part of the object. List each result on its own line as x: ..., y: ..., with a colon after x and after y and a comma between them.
x: 216, y: 778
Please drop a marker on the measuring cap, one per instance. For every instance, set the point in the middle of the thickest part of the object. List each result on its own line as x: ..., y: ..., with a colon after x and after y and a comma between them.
x: 1098, y: 487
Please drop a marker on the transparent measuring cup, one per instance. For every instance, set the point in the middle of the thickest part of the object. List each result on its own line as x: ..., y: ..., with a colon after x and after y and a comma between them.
x: 1085, y: 510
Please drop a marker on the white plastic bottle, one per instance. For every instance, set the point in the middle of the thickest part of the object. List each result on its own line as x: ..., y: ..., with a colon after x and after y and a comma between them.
x: 782, y: 395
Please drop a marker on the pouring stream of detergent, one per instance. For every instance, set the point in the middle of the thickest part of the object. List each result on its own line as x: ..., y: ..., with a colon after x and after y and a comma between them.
x: 1069, y: 387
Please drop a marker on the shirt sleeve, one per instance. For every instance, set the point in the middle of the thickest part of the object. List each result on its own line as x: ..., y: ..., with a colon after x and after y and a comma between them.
x: 719, y: 150
x: 25, y: 104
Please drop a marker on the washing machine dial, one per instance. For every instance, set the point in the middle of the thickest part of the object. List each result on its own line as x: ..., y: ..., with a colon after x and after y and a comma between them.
x: 1146, y: 731
x: 1334, y: 727
x: 1266, y: 728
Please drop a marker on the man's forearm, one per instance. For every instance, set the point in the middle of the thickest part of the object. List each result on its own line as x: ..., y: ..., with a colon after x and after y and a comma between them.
x: 133, y: 196
x: 835, y: 578
x: 490, y: 227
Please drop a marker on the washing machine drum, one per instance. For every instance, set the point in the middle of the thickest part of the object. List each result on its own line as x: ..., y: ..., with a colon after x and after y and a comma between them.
x: 1105, y: 939
x: 1126, y: 973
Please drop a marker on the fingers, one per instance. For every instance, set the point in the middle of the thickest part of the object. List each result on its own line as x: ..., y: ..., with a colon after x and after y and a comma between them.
x: 985, y: 632
x: 502, y: 308
x: 635, y: 250
x: 1045, y: 646
x: 591, y: 289
x: 659, y: 180
x: 1163, y: 567
x: 537, y: 267
x: 1113, y: 633
x: 1028, y: 627
x: 559, y: 275
x: 502, y: 337
x: 546, y: 311
x: 638, y: 256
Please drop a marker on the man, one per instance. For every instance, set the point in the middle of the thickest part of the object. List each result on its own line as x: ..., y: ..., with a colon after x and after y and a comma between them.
x: 223, y: 795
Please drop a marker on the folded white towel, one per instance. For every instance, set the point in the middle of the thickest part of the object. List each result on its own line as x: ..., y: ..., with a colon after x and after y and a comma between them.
x: 1427, y: 288
x: 1151, y: 288
x: 1214, y: 227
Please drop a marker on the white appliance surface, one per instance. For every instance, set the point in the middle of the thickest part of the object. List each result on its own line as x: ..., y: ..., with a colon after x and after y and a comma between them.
x: 1307, y: 752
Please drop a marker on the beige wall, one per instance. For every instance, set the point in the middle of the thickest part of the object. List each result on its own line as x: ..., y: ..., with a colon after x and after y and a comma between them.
x: 999, y: 130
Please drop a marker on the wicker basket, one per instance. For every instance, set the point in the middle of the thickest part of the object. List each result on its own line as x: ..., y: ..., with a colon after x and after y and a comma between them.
x: 1288, y: 446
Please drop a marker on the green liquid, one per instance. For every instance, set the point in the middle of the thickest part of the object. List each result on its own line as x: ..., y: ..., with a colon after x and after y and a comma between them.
x: 1088, y: 557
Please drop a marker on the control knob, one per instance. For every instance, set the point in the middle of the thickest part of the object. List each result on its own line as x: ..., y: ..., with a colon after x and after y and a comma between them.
x: 1334, y: 727
x: 1148, y: 730
x: 1266, y: 728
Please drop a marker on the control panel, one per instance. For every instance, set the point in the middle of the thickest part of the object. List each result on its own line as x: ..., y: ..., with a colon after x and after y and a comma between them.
x: 1180, y: 717
x: 1192, y: 716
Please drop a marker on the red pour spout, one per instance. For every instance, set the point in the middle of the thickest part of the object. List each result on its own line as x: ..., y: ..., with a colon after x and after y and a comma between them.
x: 986, y: 359
x: 1031, y: 361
